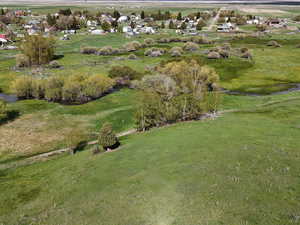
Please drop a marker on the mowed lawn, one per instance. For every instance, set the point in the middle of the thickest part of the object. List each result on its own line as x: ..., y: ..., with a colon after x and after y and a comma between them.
x: 240, y: 168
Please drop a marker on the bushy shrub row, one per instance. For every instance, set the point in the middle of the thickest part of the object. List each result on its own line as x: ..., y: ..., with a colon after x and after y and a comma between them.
x: 176, y: 51
x: 194, y: 39
x: 108, y: 50
x: 225, y: 51
x: 123, y: 71
x: 123, y: 75
x: 154, y: 52
x: 149, y: 41
x: 72, y: 89
x: 190, y: 47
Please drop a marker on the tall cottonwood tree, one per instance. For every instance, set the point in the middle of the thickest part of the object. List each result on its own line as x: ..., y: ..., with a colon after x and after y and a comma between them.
x: 181, y: 91
x: 38, y: 49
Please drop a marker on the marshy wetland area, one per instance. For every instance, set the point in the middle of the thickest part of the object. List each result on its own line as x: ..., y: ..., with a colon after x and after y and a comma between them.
x: 154, y: 113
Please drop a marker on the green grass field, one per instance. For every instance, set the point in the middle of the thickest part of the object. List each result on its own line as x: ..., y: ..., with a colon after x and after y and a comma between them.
x: 240, y: 168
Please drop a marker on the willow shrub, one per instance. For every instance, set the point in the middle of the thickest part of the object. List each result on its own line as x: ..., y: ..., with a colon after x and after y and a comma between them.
x: 75, y: 88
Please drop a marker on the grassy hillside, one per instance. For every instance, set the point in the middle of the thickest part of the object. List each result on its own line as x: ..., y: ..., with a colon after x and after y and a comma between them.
x: 241, y: 168
x: 39, y: 126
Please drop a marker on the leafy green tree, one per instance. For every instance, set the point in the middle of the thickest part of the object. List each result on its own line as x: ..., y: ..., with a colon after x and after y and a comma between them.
x: 159, y: 15
x: 38, y: 49
x: 181, y: 91
x: 115, y: 24
x: 106, y: 26
x: 132, y: 24
x: 167, y: 15
x: 162, y: 26
x: 51, y: 20
x: 23, y: 87
x: 65, y: 12
x: 200, y: 25
x: 67, y: 23
x: 75, y: 139
x: 297, y: 18
x: 54, y: 88
x: 116, y: 14
x: 171, y: 25
x: 123, y: 71
x: 107, y: 138
x: 183, y: 26
x: 3, y: 110
x: 261, y: 27
x: 179, y: 16
x: 142, y: 15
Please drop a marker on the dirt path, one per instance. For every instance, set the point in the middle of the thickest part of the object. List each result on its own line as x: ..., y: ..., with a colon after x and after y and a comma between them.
x: 215, y: 19
x: 47, y: 155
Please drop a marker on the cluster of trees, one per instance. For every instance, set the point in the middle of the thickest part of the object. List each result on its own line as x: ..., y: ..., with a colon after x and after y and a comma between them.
x: 36, y: 50
x: 183, y: 25
x: 182, y: 90
x: 203, y: 15
x: 11, y: 19
x: 64, y: 22
x: 75, y: 88
x: 232, y: 16
x: 71, y: 20
x: 159, y: 15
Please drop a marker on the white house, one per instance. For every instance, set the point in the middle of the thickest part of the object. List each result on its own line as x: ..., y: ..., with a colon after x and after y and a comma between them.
x: 127, y: 29
x: 69, y: 31
x: 97, y: 32
x: 2, y: 42
x: 123, y: 19
x: 91, y: 23
x: 255, y: 21
x: 226, y: 27
x: 148, y: 30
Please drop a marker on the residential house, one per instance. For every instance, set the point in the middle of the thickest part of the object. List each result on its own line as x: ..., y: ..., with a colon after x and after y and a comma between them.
x: 225, y: 27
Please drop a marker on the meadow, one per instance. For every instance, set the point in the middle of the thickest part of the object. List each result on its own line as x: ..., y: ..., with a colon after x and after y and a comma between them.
x: 247, y: 172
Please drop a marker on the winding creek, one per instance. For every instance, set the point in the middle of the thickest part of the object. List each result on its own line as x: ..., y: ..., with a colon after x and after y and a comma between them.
x: 13, y: 98
x: 8, y: 98
x: 296, y: 87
